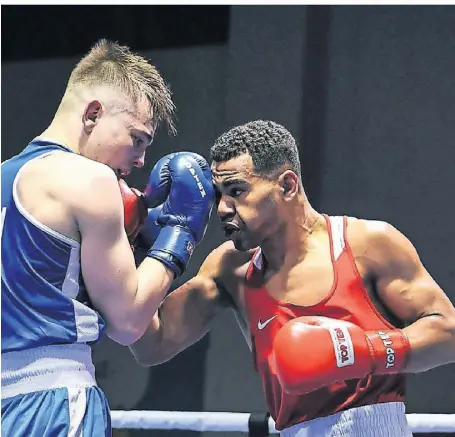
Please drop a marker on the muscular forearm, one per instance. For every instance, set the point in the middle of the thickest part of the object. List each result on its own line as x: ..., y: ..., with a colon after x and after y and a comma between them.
x: 149, y: 349
x: 153, y: 280
x: 183, y: 318
x: 432, y: 343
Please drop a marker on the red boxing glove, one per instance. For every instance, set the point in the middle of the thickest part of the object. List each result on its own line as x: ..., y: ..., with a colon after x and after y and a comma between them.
x: 135, y: 209
x: 313, y: 352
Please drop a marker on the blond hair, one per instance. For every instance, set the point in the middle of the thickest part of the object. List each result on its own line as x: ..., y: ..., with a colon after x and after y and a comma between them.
x: 109, y: 63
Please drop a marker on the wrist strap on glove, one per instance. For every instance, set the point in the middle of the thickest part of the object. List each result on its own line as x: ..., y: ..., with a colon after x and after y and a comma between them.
x: 173, y: 247
x: 389, y: 350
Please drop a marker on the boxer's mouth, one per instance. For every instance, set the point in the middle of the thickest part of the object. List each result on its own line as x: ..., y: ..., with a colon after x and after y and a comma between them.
x: 122, y: 173
x: 230, y: 229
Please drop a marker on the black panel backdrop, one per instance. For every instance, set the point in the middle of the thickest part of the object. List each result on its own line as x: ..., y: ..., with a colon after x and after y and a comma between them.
x: 368, y: 92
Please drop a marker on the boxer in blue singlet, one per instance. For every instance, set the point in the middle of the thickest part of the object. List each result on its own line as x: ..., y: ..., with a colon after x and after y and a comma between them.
x: 68, y: 271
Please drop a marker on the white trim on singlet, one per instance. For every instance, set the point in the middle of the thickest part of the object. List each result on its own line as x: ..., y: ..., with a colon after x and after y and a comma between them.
x: 257, y: 259
x: 32, y: 219
x: 338, y: 242
x: 86, y: 319
x: 70, y: 286
x: 337, y: 228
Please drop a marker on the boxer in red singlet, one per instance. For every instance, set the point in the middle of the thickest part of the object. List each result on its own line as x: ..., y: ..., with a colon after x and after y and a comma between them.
x: 336, y: 310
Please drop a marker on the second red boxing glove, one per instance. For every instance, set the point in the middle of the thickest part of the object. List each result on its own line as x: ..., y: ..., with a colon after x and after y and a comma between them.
x: 312, y: 352
x: 135, y: 209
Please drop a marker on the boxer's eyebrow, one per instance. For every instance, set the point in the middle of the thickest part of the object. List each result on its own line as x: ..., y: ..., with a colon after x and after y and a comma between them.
x: 148, y: 136
x: 230, y: 182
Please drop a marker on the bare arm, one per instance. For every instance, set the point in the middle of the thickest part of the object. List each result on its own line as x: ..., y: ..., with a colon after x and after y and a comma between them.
x: 408, y: 290
x: 185, y: 316
x: 125, y: 296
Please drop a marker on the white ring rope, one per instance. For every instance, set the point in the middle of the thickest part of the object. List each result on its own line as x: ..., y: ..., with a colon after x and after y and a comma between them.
x: 238, y: 422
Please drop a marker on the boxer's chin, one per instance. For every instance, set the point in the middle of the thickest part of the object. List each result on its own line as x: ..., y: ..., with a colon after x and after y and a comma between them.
x: 239, y: 245
x: 242, y: 244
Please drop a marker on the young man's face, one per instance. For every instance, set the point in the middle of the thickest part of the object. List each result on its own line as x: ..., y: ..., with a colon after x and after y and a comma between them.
x: 120, y: 138
x: 248, y: 203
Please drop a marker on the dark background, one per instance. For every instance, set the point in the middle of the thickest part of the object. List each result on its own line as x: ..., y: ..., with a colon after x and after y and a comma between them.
x: 368, y: 92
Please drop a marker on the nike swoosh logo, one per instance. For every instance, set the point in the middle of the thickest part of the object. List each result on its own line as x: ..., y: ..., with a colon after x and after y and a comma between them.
x: 262, y: 325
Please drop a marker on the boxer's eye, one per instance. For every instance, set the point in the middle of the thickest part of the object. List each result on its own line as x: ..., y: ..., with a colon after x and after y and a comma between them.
x: 235, y: 192
x: 137, y: 142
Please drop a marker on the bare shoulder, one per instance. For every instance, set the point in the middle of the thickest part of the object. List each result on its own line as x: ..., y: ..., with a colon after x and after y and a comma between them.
x: 86, y: 172
x: 380, y: 244
x: 363, y: 230
x: 83, y: 183
x: 67, y: 174
x: 372, y: 231
x: 61, y: 188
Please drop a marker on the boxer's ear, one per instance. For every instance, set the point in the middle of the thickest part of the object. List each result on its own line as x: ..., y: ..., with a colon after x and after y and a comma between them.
x: 289, y: 184
x: 92, y: 114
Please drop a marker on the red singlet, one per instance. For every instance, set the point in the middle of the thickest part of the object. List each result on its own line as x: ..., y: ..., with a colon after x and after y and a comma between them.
x: 347, y: 300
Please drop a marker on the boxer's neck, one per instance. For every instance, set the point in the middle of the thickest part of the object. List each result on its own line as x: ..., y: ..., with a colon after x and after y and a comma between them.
x: 290, y: 244
x: 60, y: 131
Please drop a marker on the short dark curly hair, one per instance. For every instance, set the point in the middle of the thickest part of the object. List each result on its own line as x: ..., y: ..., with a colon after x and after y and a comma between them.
x: 270, y: 145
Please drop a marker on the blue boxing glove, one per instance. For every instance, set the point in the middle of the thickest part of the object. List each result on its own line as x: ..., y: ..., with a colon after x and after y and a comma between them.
x: 149, y: 231
x: 183, y: 181
x: 159, y: 182
x: 156, y: 192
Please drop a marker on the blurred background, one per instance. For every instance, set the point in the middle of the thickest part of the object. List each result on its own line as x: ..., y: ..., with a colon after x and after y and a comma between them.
x: 367, y: 91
